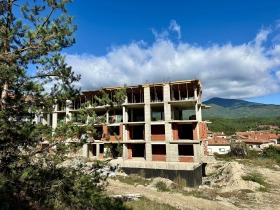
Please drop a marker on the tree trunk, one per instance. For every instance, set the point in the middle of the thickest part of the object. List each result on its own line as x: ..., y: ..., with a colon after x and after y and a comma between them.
x: 4, y: 96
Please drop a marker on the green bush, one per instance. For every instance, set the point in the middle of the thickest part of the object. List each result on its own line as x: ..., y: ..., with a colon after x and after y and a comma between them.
x: 255, y: 177
x: 272, y: 152
x: 162, y: 187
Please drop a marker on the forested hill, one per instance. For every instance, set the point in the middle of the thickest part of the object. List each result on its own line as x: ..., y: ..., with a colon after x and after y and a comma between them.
x: 234, y: 108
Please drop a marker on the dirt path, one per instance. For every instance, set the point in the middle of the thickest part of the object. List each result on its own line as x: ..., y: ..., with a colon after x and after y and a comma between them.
x: 231, y: 199
x: 174, y: 199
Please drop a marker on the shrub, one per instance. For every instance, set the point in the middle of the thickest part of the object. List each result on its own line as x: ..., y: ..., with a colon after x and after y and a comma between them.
x: 161, y: 186
x: 272, y: 152
x: 255, y: 177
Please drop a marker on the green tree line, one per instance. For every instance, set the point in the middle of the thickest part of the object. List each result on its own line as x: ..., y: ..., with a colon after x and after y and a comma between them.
x: 230, y: 126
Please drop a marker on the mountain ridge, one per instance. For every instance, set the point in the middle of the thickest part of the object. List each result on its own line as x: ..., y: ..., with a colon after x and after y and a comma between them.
x: 236, y: 108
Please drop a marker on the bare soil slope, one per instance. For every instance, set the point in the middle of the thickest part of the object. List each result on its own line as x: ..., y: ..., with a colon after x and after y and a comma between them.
x: 225, y: 189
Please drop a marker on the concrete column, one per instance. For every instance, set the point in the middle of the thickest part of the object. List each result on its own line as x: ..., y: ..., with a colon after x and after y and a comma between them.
x: 45, y: 119
x: 90, y: 148
x: 197, y: 152
x: 198, y: 112
x: 68, y: 108
x: 54, y: 120
x: 172, y: 155
x: 148, y: 148
x: 48, y: 119
x: 54, y: 116
x: 107, y: 116
x: 97, y: 150
x: 125, y: 155
x: 195, y: 92
x: 85, y: 150
x: 125, y: 116
x: 167, y: 112
x: 147, y: 114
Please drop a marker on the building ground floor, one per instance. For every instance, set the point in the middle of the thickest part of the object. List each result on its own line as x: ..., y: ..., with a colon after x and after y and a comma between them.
x: 185, y: 151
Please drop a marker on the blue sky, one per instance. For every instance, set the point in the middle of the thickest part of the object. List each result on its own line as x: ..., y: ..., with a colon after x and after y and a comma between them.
x: 232, y: 46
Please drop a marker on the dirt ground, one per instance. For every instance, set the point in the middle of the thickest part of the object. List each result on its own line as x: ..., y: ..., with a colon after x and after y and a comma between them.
x: 225, y: 189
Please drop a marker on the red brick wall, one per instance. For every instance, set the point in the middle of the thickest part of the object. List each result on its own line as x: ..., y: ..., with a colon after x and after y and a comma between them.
x: 159, y: 157
x: 186, y: 159
x: 195, y: 127
x: 129, y: 151
x: 128, y: 132
x: 121, y: 132
x: 203, y: 130
x: 157, y: 133
x: 205, y: 147
x: 112, y: 137
x: 175, y: 131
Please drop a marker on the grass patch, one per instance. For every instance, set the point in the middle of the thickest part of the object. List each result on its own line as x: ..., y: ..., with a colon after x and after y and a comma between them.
x: 255, y: 177
x: 261, y: 162
x: 258, y: 178
x: 209, y: 194
x: 161, y: 187
x: 133, y: 179
x: 144, y: 203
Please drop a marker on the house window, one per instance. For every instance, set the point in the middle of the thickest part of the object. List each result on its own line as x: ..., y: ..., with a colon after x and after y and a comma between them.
x: 221, y: 150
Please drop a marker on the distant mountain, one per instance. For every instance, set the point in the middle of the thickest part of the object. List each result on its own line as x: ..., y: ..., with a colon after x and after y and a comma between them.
x: 235, y: 108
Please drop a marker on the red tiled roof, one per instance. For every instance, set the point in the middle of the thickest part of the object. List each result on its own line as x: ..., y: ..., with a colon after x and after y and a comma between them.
x: 218, y: 141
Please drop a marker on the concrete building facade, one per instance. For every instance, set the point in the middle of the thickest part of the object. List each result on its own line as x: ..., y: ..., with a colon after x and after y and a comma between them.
x: 160, y: 122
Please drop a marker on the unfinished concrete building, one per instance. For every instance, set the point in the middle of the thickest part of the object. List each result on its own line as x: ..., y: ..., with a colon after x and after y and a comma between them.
x: 159, y: 126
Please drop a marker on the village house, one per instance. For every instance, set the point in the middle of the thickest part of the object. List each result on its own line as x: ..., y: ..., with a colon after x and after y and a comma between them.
x: 218, y: 145
x: 257, y: 140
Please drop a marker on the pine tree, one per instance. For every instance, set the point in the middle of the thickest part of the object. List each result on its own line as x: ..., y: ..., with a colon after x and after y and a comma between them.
x: 32, y: 35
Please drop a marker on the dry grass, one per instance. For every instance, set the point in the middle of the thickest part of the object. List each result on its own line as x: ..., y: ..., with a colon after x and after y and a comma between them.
x: 144, y: 203
x: 265, y: 162
x: 133, y: 180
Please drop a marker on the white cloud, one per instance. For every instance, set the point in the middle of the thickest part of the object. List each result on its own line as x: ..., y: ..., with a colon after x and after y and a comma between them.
x: 240, y: 71
x: 175, y: 27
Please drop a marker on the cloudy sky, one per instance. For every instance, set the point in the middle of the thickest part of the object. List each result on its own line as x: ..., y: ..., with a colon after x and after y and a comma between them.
x: 233, y: 47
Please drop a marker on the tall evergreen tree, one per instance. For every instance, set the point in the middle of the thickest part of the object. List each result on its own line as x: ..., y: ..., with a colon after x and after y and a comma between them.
x: 32, y: 35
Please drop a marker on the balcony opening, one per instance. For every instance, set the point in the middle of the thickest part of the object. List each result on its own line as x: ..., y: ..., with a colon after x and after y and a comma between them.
x: 138, y: 150
x: 98, y: 133
x: 185, y: 150
x: 136, y: 115
x: 101, y: 148
x: 79, y: 102
x: 61, y: 106
x: 186, y: 153
x: 185, y: 131
x: 115, y: 116
x: 157, y: 132
x: 183, y: 114
x: 182, y: 91
x: 114, y: 130
x: 158, y: 153
x: 61, y: 118
x: 136, y: 132
x: 135, y: 95
x: 157, y: 114
x: 156, y: 93
x: 93, y: 149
